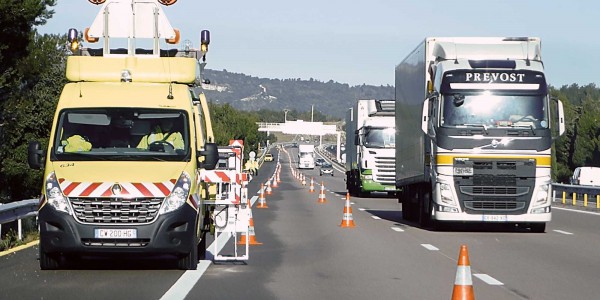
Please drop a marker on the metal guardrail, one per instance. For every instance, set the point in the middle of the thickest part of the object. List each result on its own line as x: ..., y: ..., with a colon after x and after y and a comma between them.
x: 18, y: 210
x: 569, y: 194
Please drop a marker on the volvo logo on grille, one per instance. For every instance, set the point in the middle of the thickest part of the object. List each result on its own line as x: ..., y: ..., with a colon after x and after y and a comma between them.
x: 116, y: 189
x: 495, y: 143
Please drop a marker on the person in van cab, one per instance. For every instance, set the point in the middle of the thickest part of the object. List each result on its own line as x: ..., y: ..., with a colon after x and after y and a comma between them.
x: 163, y: 132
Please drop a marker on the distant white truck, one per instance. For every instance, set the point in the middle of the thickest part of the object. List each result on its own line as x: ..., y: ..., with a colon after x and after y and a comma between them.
x: 306, y: 156
x: 370, y: 147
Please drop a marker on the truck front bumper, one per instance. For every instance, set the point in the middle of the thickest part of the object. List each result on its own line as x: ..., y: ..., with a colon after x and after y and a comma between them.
x: 171, y: 233
x: 492, y: 218
x: 373, y: 186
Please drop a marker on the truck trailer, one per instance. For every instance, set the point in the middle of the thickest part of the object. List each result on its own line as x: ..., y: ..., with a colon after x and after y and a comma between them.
x: 475, y: 127
x: 370, y: 139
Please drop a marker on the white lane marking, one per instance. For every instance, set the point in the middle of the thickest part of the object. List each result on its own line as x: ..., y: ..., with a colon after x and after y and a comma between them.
x: 563, y: 232
x: 488, y: 279
x: 398, y: 229
x: 362, y: 209
x: 577, y: 211
x: 376, y: 217
x: 430, y: 247
x: 188, y: 279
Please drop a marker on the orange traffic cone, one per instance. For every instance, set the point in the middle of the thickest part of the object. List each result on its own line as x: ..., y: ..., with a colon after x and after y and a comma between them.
x: 347, y: 220
x: 463, y: 283
x: 268, y: 190
x: 262, y: 203
x: 322, y: 194
x: 274, y: 181
x: 303, y: 179
x: 278, y: 178
x: 311, y: 187
x: 252, y: 236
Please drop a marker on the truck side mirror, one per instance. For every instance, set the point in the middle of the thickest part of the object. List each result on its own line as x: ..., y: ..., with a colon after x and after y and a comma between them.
x: 560, y: 116
x: 35, y: 155
x: 211, y: 156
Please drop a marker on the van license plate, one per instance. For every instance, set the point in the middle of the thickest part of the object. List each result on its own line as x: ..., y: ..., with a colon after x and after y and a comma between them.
x: 115, y: 233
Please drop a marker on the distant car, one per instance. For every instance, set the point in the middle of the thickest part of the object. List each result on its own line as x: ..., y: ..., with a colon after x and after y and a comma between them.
x: 319, y: 161
x: 326, y: 168
x: 268, y: 157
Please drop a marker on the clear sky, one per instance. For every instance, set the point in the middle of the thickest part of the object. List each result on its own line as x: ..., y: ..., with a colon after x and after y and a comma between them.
x: 358, y: 42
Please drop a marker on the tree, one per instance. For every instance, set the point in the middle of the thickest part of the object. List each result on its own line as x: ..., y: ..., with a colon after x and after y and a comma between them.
x: 231, y: 124
x: 28, y: 115
x: 17, y: 20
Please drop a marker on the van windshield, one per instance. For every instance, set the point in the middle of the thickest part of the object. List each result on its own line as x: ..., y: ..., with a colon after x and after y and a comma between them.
x: 122, y: 134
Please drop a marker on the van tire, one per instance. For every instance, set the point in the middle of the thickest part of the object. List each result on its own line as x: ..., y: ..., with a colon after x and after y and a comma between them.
x: 189, y: 261
x: 49, y: 261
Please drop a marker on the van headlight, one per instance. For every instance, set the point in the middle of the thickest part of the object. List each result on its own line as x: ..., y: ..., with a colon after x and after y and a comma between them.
x: 178, y: 195
x: 55, y: 196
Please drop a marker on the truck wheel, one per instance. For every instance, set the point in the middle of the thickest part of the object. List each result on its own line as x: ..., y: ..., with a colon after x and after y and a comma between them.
x: 189, y: 261
x: 538, y: 227
x: 49, y: 261
x: 425, y: 205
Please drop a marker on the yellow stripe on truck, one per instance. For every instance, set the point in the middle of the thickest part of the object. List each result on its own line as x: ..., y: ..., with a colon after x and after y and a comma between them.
x: 541, y: 160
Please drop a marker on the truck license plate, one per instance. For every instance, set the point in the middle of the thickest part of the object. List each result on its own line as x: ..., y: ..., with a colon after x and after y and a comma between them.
x: 495, y: 218
x: 115, y: 233
x: 463, y: 171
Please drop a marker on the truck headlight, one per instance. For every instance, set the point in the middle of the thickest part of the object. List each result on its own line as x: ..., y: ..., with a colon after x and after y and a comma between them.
x: 446, y: 193
x: 55, y: 196
x: 541, y: 197
x: 178, y: 195
x: 369, y: 177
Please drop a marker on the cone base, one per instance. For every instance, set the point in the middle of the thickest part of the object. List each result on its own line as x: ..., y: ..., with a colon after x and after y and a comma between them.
x: 251, y: 241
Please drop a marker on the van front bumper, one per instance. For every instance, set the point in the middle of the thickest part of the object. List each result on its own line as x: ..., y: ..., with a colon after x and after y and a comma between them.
x: 171, y: 233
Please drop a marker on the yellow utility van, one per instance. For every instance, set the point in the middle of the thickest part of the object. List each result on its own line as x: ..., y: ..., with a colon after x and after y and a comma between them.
x: 129, y: 139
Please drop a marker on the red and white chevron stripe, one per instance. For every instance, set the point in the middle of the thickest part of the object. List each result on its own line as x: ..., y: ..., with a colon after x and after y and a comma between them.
x: 105, y: 189
x: 218, y: 176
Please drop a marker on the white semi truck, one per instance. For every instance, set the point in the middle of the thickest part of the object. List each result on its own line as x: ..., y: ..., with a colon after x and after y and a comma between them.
x: 475, y: 127
x: 306, y: 156
x: 370, y: 134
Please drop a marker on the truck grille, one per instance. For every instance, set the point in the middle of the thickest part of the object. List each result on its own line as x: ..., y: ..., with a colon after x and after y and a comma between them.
x: 496, y: 186
x: 116, y: 210
x: 385, y: 170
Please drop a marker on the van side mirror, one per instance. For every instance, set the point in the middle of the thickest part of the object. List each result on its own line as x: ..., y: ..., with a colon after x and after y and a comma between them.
x: 211, y: 156
x: 35, y: 155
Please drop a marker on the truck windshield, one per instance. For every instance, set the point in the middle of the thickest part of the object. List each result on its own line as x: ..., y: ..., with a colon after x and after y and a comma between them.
x: 122, y: 134
x: 379, y: 137
x: 489, y: 111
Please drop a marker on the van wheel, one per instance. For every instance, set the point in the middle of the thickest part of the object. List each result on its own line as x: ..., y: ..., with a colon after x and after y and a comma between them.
x: 190, y: 261
x: 49, y: 261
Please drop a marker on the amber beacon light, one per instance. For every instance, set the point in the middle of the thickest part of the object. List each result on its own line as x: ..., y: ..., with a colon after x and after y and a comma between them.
x: 167, y: 2
x: 97, y: 2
